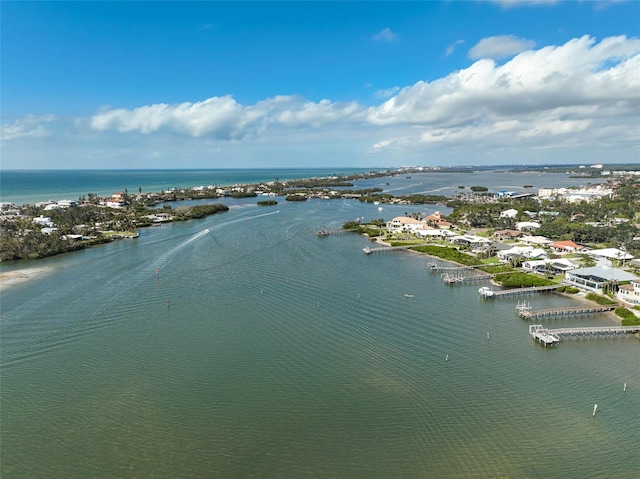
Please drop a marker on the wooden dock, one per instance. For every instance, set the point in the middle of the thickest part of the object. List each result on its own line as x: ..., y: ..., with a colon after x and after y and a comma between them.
x: 527, y: 313
x: 385, y: 249
x: 554, y: 336
x: 335, y: 232
x: 453, y: 280
x: 435, y: 268
x: 516, y: 291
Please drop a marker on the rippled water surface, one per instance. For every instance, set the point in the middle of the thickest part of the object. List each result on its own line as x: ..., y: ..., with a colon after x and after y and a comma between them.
x: 244, y: 345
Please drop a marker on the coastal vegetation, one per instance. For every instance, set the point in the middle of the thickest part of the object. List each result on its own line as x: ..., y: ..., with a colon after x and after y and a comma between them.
x: 296, y: 197
x: 628, y: 318
x: 448, y: 253
x: 77, y: 228
x: 267, y: 203
x: 603, y: 300
x: 517, y: 279
x: 568, y: 290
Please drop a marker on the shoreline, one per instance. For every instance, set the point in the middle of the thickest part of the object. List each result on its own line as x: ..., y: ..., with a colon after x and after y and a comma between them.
x: 580, y: 296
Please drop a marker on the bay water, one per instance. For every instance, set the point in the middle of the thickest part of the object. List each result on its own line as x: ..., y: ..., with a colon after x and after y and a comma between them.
x: 243, y: 345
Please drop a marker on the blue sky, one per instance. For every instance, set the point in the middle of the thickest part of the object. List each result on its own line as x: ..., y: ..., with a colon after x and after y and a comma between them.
x: 294, y: 84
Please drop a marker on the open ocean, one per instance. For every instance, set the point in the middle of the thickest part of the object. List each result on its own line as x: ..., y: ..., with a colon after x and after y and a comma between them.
x: 243, y: 345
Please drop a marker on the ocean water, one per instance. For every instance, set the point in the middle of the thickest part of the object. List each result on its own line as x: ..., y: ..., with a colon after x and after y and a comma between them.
x: 32, y: 186
x: 244, y: 346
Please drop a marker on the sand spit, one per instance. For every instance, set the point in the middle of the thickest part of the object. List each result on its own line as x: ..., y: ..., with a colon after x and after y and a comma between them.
x: 12, y: 278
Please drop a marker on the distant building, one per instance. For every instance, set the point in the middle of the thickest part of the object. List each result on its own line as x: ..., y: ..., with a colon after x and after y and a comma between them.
x: 507, y: 234
x: 610, y: 253
x: 527, y: 226
x: 511, y: 213
x: 566, y: 246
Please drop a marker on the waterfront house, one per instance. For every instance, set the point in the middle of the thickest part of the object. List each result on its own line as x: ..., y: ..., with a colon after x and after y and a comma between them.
x: 433, y: 218
x: 630, y: 293
x: 555, y: 266
x: 404, y: 224
x: 595, y: 278
x: 470, y: 240
x: 528, y: 252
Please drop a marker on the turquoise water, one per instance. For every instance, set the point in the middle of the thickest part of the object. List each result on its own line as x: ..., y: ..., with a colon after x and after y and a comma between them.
x: 284, y: 354
x: 31, y: 186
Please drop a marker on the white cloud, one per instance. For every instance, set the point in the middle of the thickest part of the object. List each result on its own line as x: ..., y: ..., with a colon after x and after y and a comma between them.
x: 524, y: 3
x: 451, y: 48
x: 385, y: 35
x: 388, y: 93
x: 223, y: 117
x: 575, y: 90
x: 576, y: 100
x: 30, y: 126
x: 579, y: 79
x: 500, y: 46
x: 604, y: 4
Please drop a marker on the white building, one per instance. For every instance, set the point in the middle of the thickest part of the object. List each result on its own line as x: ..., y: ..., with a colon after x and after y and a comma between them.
x: 610, y: 253
x: 43, y: 221
x: 528, y: 252
x: 527, y: 225
x: 595, y: 278
x: 512, y: 213
x: 401, y: 224
x: 560, y: 265
x: 630, y: 293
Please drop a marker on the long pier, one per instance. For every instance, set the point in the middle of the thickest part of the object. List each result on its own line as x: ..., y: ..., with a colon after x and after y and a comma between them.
x: 527, y: 313
x: 489, y: 293
x: 335, y: 232
x: 384, y: 249
x: 435, y: 268
x: 554, y: 336
x: 452, y: 280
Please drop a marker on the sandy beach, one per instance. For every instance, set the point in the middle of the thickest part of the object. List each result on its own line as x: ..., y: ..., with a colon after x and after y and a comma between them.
x: 11, y: 278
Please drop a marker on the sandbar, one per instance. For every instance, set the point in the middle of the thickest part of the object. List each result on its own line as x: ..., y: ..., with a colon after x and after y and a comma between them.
x: 12, y: 278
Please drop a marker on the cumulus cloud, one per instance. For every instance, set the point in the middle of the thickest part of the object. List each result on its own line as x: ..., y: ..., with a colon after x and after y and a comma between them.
x: 500, y: 46
x: 579, y: 78
x: 388, y: 93
x: 523, y: 3
x: 28, y: 126
x: 579, y: 96
x: 385, y: 35
x: 223, y: 117
x: 451, y: 48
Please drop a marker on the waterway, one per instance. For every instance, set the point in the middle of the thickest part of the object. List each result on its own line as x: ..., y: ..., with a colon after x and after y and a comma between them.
x: 243, y: 345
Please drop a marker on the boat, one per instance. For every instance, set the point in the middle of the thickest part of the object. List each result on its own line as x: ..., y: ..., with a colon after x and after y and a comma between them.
x: 486, y: 291
x: 408, y: 296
